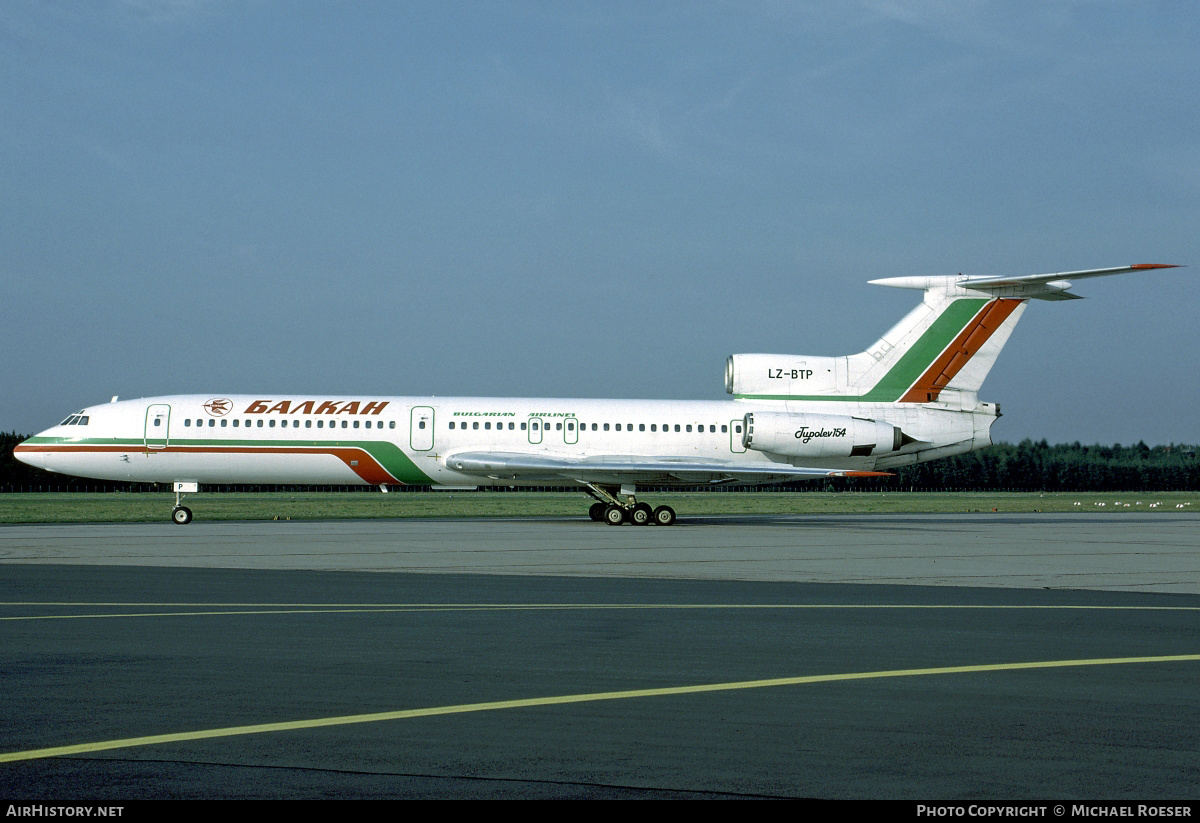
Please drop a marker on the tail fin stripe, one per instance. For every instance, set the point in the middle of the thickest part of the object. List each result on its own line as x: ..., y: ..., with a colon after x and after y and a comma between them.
x: 922, y: 356
x: 968, y: 342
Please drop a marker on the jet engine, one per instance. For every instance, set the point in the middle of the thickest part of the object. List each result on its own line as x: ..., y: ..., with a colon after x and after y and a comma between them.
x: 820, y: 435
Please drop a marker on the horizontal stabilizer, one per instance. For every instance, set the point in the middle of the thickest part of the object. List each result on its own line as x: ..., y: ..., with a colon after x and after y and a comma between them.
x: 1052, y: 286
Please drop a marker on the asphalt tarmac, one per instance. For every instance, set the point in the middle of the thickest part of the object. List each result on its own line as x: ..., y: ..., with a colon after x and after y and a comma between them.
x: 917, y: 657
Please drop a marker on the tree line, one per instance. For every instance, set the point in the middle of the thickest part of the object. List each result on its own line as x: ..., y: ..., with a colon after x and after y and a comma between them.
x: 1025, y: 466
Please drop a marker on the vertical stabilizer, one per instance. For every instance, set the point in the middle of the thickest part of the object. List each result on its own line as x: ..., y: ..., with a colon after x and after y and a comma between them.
x: 947, y: 344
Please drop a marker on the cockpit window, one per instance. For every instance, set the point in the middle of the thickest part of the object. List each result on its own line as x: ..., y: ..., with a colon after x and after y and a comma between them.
x: 77, y: 419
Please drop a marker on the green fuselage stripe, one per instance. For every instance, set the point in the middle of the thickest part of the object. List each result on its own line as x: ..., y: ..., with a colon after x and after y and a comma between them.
x: 912, y: 363
x: 387, y: 454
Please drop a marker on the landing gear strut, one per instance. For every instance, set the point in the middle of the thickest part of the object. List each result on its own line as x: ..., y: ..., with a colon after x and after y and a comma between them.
x: 614, y: 511
x: 181, y: 513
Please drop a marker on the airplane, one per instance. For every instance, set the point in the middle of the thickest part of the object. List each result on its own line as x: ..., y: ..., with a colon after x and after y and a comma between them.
x: 909, y: 398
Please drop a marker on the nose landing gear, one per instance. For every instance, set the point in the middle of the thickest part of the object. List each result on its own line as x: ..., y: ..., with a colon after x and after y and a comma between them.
x: 181, y: 514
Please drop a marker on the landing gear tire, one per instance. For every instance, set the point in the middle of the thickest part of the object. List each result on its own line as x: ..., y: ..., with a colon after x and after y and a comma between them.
x: 664, y: 516
x: 596, y: 512
x: 614, y: 515
x: 641, y: 514
x: 182, y: 515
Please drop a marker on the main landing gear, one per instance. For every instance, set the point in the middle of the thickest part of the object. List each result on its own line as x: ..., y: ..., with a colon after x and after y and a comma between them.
x: 612, y: 510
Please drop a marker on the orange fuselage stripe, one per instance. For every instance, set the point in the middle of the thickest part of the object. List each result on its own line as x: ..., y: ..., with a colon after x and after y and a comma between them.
x: 357, y: 460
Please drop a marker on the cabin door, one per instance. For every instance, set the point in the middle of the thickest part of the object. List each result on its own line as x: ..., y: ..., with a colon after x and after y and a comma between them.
x: 158, y: 424
x: 420, y: 429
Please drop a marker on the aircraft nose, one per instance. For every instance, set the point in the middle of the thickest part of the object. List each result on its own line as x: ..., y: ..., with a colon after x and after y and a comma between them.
x: 29, y: 454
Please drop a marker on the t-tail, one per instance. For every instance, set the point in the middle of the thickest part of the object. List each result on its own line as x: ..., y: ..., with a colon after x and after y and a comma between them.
x: 940, y: 353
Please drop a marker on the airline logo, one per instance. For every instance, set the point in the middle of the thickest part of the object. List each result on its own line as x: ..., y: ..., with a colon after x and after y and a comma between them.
x: 316, y: 407
x: 219, y: 406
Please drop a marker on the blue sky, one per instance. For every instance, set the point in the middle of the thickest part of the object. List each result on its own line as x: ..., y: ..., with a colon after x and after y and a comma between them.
x: 589, y: 199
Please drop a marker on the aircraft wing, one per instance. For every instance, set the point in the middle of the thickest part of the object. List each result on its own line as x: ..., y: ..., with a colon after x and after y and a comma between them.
x: 633, y: 469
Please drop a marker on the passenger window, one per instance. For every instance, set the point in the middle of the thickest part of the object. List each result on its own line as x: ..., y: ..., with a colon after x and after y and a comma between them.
x: 510, y: 426
x: 211, y: 423
x: 235, y: 422
x: 593, y: 427
x: 224, y: 423
x: 260, y: 423
x: 343, y: 424
x: 724, y: 428
x: 187, y: 422
x: 487, y: 426
x: 676, y: 427
x: 391, y: 424
x: 307, y: 424
x: 356, y: 424
x: 653, y: 427
x: 641, y: 427
x: 606, y: 427
x: 475, y: 425
x: 558, y: 427
x: 689, y: 427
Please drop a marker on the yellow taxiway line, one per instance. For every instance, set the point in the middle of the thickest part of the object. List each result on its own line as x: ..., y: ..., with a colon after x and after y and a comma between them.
x: 559, y: 700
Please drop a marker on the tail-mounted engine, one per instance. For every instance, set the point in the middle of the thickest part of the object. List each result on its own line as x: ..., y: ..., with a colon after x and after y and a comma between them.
x: 785, y: 374
x: 820, y: 435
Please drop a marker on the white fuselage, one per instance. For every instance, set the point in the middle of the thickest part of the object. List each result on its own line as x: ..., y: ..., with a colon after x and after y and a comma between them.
x: 410, y: 440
